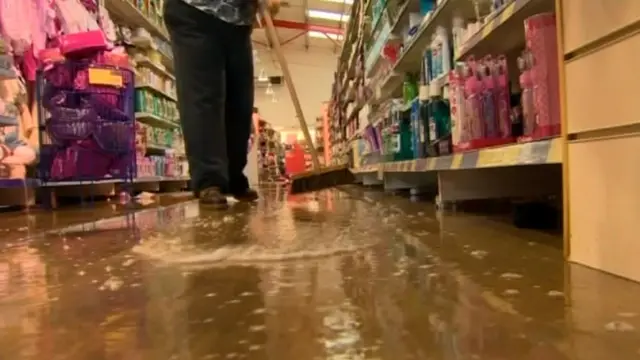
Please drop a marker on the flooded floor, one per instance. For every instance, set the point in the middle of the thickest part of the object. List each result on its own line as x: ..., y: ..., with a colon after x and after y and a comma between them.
x: 345, y: 275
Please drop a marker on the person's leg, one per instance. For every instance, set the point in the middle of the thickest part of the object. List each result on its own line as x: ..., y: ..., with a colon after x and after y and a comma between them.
x: 239, y: 109
x: 198, y: 55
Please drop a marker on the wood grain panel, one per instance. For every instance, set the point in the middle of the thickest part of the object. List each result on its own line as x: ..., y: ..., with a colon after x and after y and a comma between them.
x: 589, y: 20
x: 602, y: 88
x: 605, y: 205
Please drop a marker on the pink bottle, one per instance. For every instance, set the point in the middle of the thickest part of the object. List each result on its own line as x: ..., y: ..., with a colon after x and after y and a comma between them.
x: 473, y: 103
x: 489, y: 110
x: 540, y: 36
x: 503, y: 98
x: 527, y: 102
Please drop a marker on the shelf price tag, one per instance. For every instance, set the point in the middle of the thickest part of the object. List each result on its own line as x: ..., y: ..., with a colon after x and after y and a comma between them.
x: 506, y: 156
x: 108, y: 77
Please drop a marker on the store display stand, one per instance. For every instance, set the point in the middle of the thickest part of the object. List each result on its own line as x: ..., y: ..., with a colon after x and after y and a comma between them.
x: 160, y: 164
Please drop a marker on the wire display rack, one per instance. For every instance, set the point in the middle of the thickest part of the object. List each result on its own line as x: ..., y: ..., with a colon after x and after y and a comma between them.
x: 87, y: 123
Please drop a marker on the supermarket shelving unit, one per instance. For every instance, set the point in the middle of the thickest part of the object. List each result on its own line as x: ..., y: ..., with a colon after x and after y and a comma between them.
x: 593, y: 155
x: 152, y: 59
x: 526, y: 170
x: 154, y: 76
x: 269, y: 151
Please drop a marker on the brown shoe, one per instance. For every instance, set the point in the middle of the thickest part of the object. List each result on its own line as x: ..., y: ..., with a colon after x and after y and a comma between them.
x: 213, y: 197
x: 246, y: 195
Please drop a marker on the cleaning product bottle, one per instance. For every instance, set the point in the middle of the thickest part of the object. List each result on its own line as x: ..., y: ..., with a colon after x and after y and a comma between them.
x: 439, y: 121
x: 409, y: 89
x: 427, y: 6
x: 405, y: 138
x: 416, y: 128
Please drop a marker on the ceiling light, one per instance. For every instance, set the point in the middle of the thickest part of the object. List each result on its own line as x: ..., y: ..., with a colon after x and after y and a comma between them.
x: 326, y: 15
x: 321, y: 35
x: 269, y: 90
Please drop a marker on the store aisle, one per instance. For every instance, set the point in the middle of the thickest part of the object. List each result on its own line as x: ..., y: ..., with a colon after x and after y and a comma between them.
x: 340, y: 275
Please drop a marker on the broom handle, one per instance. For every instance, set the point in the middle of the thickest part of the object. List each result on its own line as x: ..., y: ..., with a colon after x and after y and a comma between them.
x: 275, y: 42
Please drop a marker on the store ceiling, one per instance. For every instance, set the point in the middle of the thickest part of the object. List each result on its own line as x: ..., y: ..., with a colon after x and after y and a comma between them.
x: 308, y: 24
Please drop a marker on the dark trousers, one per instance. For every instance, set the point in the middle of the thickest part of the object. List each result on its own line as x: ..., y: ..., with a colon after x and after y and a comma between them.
x: 214, y: 76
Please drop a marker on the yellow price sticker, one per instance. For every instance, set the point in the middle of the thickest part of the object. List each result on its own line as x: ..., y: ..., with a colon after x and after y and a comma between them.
x: 108, y: 77
x: 509, y: 155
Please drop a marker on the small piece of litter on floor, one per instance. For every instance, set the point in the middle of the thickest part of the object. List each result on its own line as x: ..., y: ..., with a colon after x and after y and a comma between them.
x: 619, y: 326
x: 555, y: 293
x: 511, y: 276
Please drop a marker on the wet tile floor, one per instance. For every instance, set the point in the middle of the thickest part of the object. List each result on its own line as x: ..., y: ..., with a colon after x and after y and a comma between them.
x: 337, y: 275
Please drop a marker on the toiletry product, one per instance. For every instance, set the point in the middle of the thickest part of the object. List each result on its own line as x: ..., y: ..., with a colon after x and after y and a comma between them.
x: 405, y: 138
x: 499, y: 71
x: 489, y: 113
x: 440, y: 124
x: 543, y: 47
x: 473, y: 102
x: 457, y: 31
x: 414, y: 115
x: 442, y: 38
x: 457, y: 106
x: 409, y: 89
x: 527, y: 100
x: 426, y: 6
x: 436, y: 58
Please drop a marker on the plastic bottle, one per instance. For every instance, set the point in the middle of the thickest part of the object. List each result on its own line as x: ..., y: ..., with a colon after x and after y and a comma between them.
x: 473, y: 103
x: 457, y: 107
x: 458, y: 35
x: 442, y: 38
x: 503, y: 97
x: 489, y: 112
x: 528, y: 110
x: 409, y: 89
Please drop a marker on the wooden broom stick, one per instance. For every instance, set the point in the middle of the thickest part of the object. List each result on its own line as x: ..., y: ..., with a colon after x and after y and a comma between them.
x: 275, y: 42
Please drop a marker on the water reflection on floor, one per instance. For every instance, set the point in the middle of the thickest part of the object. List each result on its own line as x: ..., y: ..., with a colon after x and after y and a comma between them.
x: 356, y: 275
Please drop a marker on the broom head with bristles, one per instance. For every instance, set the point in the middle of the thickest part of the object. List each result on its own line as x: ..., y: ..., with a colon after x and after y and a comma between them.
x: 326, y: 177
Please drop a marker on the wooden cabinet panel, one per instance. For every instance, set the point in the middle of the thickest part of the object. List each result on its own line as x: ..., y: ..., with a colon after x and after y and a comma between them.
x: 602, y: 88
x: 605, y: 205
x: 589, y: 20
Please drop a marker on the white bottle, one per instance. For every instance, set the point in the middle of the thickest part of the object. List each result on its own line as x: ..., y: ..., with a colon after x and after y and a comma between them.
x: 443, y: 38
x: 457, y: 31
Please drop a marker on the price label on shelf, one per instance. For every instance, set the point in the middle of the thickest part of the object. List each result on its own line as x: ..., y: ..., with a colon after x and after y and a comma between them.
x: 505, y: 156
x: 108, y: 77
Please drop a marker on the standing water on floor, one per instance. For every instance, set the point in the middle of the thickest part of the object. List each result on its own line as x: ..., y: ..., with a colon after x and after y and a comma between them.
x: 357, y: 275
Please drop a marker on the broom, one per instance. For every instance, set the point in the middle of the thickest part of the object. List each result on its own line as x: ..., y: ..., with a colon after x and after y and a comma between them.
x: 319, y: 177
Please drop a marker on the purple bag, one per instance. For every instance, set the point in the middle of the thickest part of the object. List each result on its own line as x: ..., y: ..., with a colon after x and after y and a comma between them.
x: 71, y: 124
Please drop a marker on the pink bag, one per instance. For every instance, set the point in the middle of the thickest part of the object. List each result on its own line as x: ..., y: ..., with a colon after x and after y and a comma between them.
x: 83, y: 43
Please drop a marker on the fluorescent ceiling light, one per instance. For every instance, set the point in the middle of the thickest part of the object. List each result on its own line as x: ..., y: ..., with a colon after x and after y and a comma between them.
x: 348, y: 2
x: 326, y: 15
x: 321, y: 35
